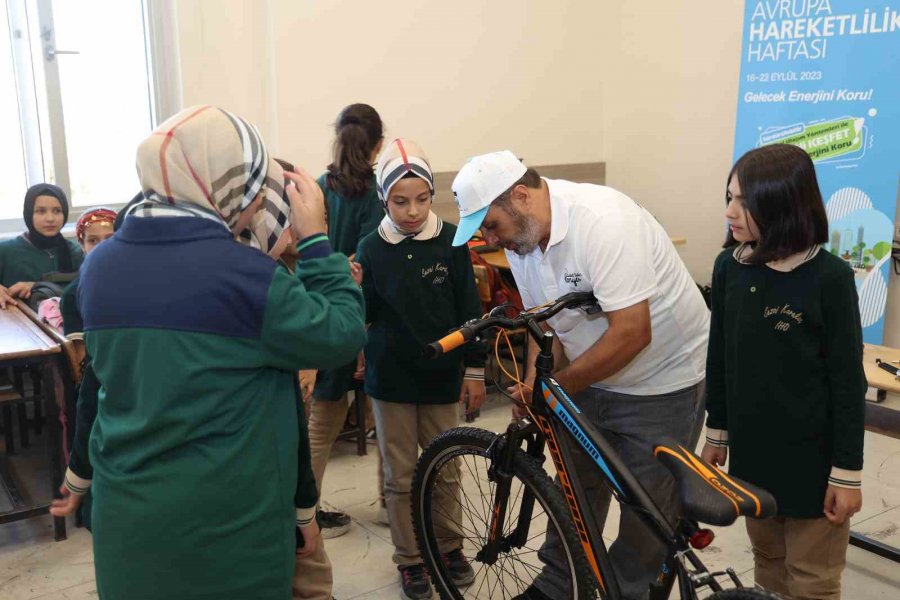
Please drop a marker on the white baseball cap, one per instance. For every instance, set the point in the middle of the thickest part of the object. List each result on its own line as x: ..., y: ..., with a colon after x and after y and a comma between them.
x: 480, y: 182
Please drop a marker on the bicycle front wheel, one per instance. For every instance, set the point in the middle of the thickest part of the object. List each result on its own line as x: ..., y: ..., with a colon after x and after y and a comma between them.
x: 453, y: 496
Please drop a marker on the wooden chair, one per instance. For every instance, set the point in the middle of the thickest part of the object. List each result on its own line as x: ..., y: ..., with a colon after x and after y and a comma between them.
x: 360, y: 432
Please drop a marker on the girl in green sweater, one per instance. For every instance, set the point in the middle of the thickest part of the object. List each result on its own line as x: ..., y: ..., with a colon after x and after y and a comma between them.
x: 42, y: 249
x: 417, y: 286
x: 353, y: 211
x: 785, y: 383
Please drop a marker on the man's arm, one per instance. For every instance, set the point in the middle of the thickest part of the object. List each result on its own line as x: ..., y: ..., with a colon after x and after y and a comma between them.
x: 629, y: 332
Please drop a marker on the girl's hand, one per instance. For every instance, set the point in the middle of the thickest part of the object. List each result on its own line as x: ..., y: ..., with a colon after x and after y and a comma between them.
x: 67, y: 505
x: 360, y: 373
x: 311, y: 538
x: 307, y: 204
x: 5, y: 298
x: 356, y: 272
x: 475, y: 392
x: 307, y: 383
x: 714, y: 455
x: 841, y: 503
x: 21, y: 290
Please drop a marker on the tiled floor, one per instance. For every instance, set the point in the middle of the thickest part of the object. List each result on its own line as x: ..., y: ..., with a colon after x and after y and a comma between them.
x: 34, y: 567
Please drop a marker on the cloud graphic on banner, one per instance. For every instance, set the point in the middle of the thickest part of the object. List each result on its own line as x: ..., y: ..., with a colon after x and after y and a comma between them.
x: 844, y: 201
x: 872, y: 299
x: 860, y: 235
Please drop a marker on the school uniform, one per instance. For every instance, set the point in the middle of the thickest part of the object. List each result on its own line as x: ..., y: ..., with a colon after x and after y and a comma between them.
x: 349, y: 221
x: 20, y: 260
x: 786, y: 394
x: 86, y: 407
x: 202, y: 445
x: 417, y: 288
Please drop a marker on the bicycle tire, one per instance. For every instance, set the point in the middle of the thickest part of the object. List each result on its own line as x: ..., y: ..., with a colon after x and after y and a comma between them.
x: 744, y: 594
x: 470, y: 441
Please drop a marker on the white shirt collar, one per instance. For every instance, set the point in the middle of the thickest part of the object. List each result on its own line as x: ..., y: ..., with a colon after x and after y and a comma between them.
x: 743, y: 252
x: 392, y: 235
x: 559, y: 214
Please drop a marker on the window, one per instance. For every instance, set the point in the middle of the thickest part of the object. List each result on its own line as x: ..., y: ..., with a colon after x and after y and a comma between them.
x: 79, y: 88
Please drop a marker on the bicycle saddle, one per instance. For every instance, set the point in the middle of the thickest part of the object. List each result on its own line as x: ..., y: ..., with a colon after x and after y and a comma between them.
x: 709, y: 495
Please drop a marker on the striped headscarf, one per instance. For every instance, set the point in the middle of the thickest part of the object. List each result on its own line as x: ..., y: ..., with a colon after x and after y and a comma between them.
x: 400, y: 157
x: 208, y: 162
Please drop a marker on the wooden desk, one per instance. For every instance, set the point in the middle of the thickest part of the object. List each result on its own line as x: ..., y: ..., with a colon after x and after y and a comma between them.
x: 23, y: 342
x: 883, y: 420
x: 497, y: 258
x: 877, y: 377
x: 20, y: 337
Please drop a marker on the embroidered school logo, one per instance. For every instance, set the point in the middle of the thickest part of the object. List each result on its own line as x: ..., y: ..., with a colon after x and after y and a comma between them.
x: 572, y: 278
x: 786, y: 316
x: 438, y: 271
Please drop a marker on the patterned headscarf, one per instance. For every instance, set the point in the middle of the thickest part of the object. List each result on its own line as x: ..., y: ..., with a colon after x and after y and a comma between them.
x: 210, y: 163
x: 399, y: 158
x: 89, y: 217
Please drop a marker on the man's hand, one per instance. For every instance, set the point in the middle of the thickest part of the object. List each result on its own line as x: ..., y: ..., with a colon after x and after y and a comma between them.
x: 5, y: 298
x: 67, y: 505
x: 521, y: 394
x: 714, y: 455
x: 473, y: 391
x: 21, y: 290
x: 311, y: 539
x: 841, y: 503
x: 307, y: 204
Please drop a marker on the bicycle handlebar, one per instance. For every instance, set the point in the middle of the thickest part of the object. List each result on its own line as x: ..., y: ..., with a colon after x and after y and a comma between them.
x: 471, y: 329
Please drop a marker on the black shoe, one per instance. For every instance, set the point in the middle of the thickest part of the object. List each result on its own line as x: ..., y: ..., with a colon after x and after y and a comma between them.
x: 332, y: 524
x: 414, y: 583
x: 532, y: 593
x: 461, y: 572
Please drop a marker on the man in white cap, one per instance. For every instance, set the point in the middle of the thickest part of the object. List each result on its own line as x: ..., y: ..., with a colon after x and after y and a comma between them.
x: 637, y: 370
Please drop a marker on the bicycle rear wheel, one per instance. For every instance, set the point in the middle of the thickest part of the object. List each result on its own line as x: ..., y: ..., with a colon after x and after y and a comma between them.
x: 443, y: 521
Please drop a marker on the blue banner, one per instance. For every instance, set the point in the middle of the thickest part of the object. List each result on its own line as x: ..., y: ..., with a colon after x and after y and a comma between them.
x: 825, y: 76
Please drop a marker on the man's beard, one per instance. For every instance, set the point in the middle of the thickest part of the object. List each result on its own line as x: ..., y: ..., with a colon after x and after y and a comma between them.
x: 526, y: 238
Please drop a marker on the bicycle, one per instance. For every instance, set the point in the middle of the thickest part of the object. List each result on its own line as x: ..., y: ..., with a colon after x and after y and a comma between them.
x: 509, y: 496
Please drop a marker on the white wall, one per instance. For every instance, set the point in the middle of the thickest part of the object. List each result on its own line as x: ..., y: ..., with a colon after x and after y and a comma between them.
x: 461, y: 78
x: 649, y: 87
x: 669, y: 111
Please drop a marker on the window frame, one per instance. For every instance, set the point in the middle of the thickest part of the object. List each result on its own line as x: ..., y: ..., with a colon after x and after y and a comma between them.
x: 161, y: 41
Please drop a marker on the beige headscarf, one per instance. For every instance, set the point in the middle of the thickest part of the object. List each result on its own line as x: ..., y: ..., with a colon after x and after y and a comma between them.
x: 207, y: 162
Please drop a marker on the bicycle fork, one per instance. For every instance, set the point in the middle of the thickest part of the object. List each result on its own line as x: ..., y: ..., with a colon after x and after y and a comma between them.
x: 501, y: 472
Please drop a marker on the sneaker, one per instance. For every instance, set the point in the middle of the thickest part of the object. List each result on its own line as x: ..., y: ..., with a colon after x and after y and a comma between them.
x: 532, y: 593
x: 332, y: 524
x: 414, y: 583
x: 461, y: 572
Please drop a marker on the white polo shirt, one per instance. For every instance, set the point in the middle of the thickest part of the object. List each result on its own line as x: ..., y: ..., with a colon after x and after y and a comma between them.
x: 601, y: 240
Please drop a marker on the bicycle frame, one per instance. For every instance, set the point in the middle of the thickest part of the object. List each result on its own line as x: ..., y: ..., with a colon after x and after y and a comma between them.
x: 556, y: 416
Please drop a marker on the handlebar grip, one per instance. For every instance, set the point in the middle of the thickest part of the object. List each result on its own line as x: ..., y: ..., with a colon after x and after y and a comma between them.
x: 448, y: 342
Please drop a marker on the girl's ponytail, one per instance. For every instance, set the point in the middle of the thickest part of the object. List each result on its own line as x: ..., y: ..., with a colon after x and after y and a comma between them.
x: 358, y: 131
